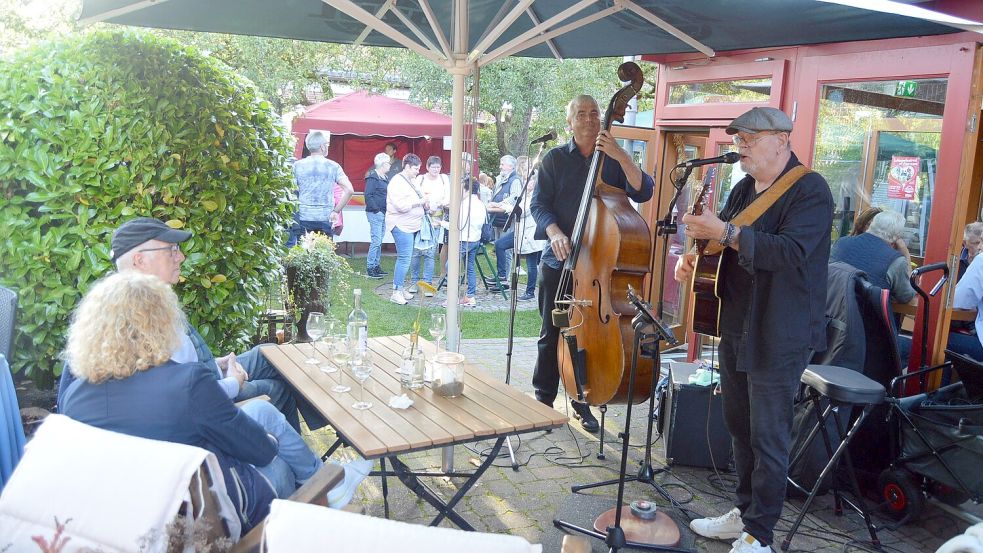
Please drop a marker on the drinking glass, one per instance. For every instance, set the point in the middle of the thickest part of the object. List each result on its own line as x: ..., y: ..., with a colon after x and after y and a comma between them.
x: 330, y: 338
x: 438, y: 328
x: 316, y: 327
x: 340, y: 354
x: 361, y: 364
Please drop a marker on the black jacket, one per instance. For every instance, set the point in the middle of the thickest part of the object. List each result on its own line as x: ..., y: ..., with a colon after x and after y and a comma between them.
x: 375, y: 192
x: 773, y: 291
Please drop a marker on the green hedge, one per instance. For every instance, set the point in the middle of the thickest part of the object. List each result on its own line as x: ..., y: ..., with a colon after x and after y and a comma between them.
x: 99, y: 128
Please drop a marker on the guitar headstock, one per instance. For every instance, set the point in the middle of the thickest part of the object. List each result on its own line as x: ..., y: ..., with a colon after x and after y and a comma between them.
x: 701, y: 198
x: 702, y: 192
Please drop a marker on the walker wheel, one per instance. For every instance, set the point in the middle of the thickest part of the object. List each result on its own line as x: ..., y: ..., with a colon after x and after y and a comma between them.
x: 902, y: 493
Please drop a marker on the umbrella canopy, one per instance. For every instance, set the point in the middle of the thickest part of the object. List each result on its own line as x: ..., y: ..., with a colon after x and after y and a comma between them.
x: 535, y: 28
x: 463, y: 34
x: 364, y: 114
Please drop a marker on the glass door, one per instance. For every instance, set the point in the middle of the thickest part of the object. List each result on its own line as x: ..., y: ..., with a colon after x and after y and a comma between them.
x: 673, y: 297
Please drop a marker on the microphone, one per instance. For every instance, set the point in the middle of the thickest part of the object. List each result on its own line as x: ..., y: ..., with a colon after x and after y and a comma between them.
x: 729, y: 157
x: 548, y: 137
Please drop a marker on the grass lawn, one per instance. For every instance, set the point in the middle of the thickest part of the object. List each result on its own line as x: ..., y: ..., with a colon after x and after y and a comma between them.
x: 387, y: 318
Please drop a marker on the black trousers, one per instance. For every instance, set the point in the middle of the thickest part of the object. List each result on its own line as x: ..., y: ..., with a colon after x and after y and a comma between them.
x: 757, y: 408
x: 546, y: 375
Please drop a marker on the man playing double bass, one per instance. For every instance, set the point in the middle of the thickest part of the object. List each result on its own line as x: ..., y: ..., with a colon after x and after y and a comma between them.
x: 772, y: 290
x: 562, y: 179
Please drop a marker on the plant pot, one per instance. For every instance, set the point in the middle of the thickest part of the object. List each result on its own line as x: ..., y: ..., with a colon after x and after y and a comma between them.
x: 306, y: 300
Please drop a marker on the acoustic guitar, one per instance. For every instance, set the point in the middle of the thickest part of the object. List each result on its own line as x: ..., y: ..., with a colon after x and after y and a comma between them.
x: 706, y: 276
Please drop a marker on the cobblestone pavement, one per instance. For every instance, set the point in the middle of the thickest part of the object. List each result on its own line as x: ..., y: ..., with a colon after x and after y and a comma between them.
x: 526, y: 501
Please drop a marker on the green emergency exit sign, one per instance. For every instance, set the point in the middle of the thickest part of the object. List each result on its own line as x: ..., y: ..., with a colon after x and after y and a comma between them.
x: 906, y: 89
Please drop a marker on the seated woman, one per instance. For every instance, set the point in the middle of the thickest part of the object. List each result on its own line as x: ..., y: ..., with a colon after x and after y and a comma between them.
x: 880, y: 252
x: 119, y: 348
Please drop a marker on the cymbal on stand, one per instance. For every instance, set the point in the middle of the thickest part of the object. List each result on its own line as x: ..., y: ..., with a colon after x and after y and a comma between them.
x: 660, y: 530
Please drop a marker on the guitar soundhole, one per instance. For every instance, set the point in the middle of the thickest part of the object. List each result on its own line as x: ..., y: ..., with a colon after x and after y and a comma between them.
x: 605, y: 318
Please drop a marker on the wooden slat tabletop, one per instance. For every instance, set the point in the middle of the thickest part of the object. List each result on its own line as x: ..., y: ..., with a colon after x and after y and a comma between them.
x: 488, y: 407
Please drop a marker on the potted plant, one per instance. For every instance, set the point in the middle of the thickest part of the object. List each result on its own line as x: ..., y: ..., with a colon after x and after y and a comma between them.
x: 315, y: 274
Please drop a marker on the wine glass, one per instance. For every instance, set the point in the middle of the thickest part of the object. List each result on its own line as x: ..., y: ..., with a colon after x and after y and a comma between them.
x: 361, y: 364
x: 316, y: 327
x: 340, y: 354
x: 438, y: 328
x: 330, y: 338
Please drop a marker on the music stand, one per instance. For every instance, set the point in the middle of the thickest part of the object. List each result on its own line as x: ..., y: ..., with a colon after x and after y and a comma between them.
x: 648, y: 331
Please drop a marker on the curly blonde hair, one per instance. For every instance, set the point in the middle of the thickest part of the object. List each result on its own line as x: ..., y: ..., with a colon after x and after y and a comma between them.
x: 127, y: 322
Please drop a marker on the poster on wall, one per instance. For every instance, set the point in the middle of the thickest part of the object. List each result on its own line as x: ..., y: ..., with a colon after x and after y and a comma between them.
x: 902, y: 180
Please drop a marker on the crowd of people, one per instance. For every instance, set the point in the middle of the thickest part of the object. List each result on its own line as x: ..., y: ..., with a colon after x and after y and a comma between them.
x: 410, y: 201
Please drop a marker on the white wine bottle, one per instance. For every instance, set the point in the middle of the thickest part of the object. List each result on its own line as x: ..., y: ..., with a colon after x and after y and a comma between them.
x: 358, y: 324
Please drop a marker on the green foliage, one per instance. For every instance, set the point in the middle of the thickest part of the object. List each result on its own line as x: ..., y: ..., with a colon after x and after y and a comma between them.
x: 523, y: 96
x: 100, y: 128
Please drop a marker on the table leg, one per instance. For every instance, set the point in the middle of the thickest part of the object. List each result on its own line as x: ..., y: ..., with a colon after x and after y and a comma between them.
x: 337, y: 443
x: 385, y: 487
x: 445, y: 509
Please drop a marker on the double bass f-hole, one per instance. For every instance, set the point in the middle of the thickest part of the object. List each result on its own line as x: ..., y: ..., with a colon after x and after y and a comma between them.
x: 600, y: 297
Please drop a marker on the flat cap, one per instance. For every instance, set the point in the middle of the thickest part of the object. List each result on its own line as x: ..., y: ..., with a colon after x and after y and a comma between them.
x: 137, y: 231
x: 760, y: 120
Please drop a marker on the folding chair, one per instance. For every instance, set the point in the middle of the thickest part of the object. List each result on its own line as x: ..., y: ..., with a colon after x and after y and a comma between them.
x: 481, y: 255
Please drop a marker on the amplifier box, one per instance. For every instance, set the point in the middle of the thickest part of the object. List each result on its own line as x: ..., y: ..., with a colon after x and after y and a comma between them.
x: 695, y: 422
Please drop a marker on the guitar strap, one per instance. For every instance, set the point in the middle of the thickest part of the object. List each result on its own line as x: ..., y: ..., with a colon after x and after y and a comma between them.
x: 751, y: 213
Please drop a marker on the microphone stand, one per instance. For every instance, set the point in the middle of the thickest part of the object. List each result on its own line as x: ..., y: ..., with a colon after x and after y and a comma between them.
x: 666, y: 227
x: 517, y: 231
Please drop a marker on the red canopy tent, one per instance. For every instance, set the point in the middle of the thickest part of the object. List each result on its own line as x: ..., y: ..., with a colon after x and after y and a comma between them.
x: 362, y: 123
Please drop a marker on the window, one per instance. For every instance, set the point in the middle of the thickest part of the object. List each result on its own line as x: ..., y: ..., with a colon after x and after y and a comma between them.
x: 877, y: 144
x: 721, y: 92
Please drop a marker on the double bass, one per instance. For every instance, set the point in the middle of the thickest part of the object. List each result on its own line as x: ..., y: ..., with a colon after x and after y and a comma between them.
x: 611, y: 251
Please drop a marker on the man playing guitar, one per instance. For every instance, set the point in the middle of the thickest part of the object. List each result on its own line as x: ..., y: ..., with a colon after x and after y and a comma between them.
x: 772, y: 303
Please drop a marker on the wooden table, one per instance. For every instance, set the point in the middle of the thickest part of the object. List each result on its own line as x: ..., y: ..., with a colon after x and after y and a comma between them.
x: 488, y: 409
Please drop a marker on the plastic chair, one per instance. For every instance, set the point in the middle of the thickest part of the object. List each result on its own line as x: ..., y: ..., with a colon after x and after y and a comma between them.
x: 8, y: 321
x: 118, y: 493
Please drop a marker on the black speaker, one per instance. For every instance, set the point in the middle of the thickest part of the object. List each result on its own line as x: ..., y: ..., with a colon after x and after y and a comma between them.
x: 688, y: 407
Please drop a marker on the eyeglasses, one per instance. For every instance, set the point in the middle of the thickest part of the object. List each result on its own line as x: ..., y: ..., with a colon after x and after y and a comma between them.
x: 751, y: 142
x: 174, y: 249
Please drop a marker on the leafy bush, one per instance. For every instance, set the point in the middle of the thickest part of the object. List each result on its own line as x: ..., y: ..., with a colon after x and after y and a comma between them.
x: 99, y: 128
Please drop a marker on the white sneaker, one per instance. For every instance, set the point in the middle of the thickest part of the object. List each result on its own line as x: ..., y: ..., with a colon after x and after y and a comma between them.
x: 748, y: 544
x: 398, y: 298
x: 428, y: 294
x: 355, y: 472
x: 407, y: 295
x: 725, y: 527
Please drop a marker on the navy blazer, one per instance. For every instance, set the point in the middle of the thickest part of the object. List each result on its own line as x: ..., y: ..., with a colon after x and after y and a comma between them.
x: 182, y: 403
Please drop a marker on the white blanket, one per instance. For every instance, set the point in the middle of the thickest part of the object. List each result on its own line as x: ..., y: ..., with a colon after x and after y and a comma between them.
x: 300, y: 528
x: 112, y: 492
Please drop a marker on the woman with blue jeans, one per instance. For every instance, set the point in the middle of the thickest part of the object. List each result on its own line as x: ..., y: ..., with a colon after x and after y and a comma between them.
x: 405, y: 207
x: 376, y: 189
x: 473, y: 216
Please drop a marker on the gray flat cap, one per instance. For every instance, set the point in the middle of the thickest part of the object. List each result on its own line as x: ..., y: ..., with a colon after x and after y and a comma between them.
x: 760, y: 120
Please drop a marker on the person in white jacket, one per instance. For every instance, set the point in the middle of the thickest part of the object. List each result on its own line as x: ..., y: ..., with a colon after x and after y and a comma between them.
x: 531, y: 248
x: 473, y: 216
